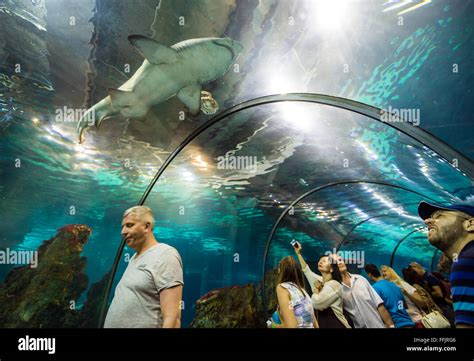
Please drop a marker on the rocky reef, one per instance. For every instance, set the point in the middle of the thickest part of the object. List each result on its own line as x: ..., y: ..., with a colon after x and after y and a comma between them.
x: 232, y: 307
x: 44, y: 296
x: 88, y: 317
x: 236, y: 306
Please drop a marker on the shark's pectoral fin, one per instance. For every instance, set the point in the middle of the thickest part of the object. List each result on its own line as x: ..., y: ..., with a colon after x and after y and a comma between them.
x: 152, y: 50
x: 191, y: 97
x: 121, y: 98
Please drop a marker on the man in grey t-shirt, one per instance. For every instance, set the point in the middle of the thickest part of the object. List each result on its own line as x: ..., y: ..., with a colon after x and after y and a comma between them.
x: 150, y: 291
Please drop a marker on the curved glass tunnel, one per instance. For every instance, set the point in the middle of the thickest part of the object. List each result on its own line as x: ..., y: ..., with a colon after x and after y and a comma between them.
x: 220, y: 196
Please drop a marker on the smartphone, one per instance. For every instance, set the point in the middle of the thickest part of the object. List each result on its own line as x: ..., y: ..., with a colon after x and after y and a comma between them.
x: 294, y: 243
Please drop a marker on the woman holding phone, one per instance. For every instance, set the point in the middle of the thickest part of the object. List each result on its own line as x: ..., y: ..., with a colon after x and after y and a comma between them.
x: 327, y: 290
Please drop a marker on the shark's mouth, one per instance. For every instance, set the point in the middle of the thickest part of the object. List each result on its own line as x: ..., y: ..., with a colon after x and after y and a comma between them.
x: 228, y: 47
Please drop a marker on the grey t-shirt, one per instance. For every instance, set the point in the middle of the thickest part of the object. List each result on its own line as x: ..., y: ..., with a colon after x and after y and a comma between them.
x: 136, y: 302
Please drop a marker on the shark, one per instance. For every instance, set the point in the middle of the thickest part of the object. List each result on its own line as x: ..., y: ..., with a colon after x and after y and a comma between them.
x: 179, y: 70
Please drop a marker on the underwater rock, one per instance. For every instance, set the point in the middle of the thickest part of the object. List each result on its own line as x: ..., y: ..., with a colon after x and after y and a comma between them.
x: 231, y: 307
x: 236, y: 306
x: 44, y: 296
x: 271, y: 278
x: 90, y: 312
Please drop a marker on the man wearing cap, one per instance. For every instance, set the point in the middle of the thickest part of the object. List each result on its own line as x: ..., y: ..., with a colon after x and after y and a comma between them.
x: 451, y: 230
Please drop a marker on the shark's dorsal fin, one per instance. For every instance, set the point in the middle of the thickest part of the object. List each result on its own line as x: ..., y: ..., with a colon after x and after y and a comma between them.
x: 191, y: 97
x: 153, y: 51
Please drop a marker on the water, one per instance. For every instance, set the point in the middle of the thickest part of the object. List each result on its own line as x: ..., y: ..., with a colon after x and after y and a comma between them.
x: 219, y: 218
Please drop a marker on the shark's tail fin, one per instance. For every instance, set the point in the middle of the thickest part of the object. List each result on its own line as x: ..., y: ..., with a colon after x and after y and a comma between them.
x: 94, y: 116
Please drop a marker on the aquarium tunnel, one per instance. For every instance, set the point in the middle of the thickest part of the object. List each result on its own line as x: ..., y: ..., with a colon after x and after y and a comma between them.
x: 322, y: 121
x: 234, y: 225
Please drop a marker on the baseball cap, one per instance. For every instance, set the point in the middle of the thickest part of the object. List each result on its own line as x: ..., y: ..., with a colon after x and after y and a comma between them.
x: 425, y: 209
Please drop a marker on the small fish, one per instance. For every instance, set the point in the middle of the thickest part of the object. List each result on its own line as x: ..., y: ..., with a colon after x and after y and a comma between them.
x: 209, y: 105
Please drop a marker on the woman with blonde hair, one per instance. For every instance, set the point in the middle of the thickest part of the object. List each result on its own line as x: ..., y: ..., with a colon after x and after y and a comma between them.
x: 294, y: 303
x: 413, y: 299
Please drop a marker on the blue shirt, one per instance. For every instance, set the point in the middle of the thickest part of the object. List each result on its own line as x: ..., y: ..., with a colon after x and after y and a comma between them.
x: 462, y: 285
x: 393, y: 300
x: 432, y: 282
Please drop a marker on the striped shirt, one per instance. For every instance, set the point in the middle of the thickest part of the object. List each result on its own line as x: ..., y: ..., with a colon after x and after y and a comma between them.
x: 462, y: 285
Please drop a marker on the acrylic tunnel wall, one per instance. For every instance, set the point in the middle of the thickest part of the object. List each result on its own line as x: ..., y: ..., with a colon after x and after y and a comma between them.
x: 323, y: 170
x: 221, y: 198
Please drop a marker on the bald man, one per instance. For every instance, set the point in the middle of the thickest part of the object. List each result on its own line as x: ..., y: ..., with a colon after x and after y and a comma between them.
x: 150, y: 291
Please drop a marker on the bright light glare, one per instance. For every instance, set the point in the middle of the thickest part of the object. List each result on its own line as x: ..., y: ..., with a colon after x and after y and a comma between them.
x: 298, y: 115
x: 188, y: 176
x: 199, y: 162
x: 58, y: 130
x: 83, y: 152
x: 372, y: 155
x: 330, y: 14
x: 403, y: 3
x: 422, y: 3
x: 80, y: 151
x: 278, y: 83
x: 396, y: 5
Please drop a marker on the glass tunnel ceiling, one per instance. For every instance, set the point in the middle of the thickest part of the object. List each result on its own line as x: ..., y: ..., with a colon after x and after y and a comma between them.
x: 220, y: 194
x: 390, y: 65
